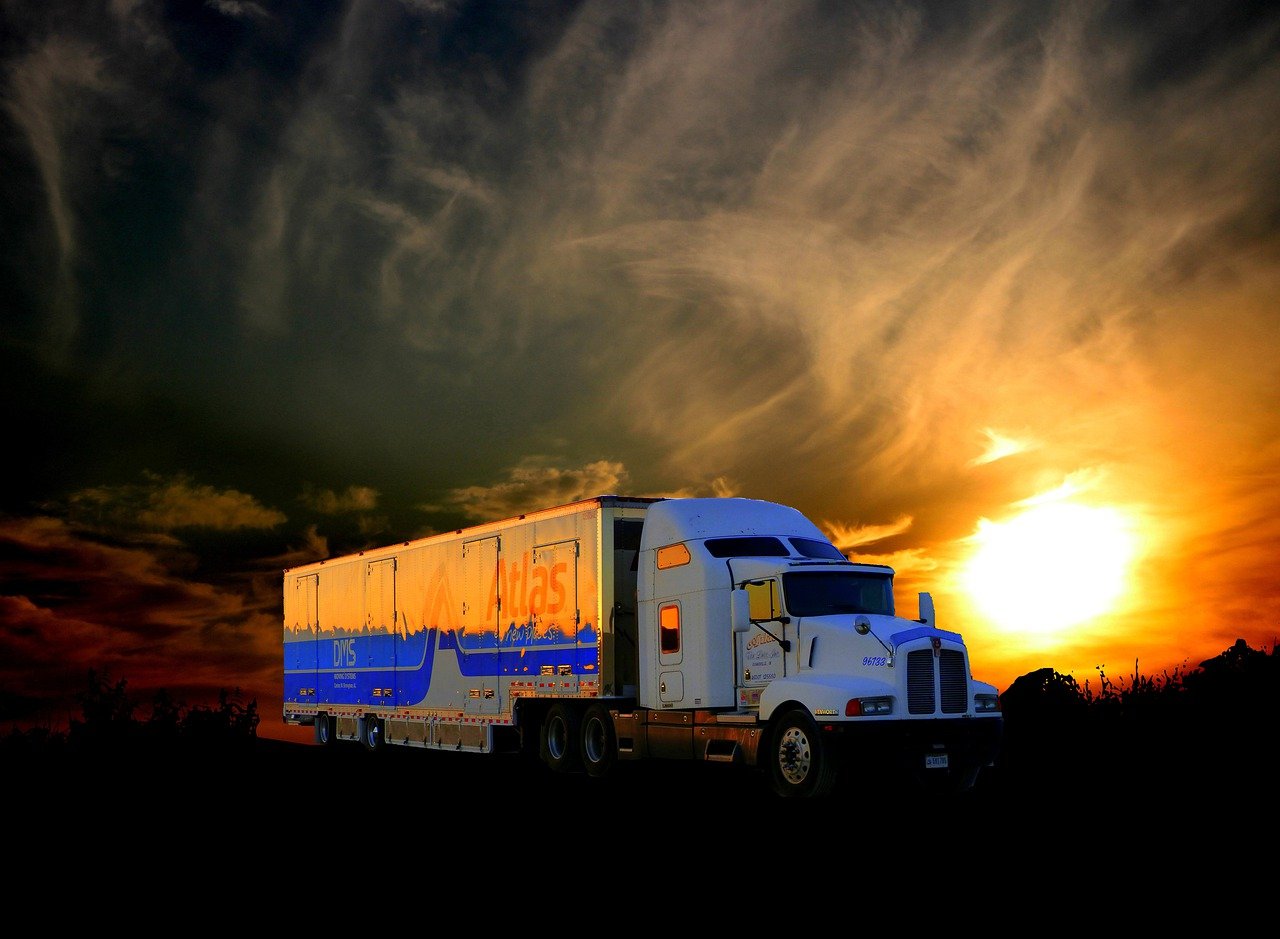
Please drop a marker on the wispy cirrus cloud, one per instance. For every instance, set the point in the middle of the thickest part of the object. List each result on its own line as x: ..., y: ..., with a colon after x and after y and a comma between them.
x: 848, y: 537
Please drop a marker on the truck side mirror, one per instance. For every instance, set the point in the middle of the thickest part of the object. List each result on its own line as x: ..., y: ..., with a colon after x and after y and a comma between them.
x: 740, y: 611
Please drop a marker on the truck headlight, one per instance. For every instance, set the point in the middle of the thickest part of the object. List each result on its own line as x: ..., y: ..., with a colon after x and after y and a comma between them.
x: 861, y: 707
x: 983, y: 703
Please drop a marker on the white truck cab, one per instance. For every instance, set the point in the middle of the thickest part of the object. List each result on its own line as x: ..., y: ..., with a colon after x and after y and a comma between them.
x: 747, y: 610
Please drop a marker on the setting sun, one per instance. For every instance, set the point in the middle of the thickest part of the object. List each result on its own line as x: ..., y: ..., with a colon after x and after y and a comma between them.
x: 1049, y: 568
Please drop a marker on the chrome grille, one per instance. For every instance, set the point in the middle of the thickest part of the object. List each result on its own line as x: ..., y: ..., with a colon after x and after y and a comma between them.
x: 920, y: 698
x: 955, y: 692
x: 925, y: 686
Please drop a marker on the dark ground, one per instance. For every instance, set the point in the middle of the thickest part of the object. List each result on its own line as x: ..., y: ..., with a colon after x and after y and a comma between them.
x: 285, y: 783
x: 1149, y: 805
x: 340, y: 836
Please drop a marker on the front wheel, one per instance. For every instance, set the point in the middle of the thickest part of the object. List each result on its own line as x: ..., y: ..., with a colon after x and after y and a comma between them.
x: 599, y: 742
x: 800, y: 765
x: 558, y: 742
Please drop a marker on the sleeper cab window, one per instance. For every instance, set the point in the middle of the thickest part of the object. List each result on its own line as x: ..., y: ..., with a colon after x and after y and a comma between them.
x: 669, y: 628
x: 673, y: 555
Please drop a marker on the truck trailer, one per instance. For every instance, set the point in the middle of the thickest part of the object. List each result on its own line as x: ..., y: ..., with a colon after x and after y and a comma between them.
x: 620, y: 628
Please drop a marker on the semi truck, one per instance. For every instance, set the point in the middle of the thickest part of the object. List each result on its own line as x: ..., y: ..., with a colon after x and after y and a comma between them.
x: 621, y: 628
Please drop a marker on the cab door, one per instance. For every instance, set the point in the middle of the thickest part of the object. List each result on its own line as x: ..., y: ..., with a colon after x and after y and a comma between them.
x: 759, y: 652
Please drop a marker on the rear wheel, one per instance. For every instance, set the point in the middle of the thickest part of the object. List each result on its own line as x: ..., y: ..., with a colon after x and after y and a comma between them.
x: 799, y: 764
x: 371, y: 733
x: 599, y: 742
x: 559, y: 740
x: 324, y: 730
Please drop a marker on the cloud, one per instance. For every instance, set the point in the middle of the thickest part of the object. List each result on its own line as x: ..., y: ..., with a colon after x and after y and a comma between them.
x: 329, y: 502
x: 832, y: 257
x: 719, y: 488
x: 164, y: 505
x: 1000, y: 446
x: 49, y: 92
x: 847, y: 537
x: 433, y: 7
x: 238, y: 9
x: 1075, y: 483
x: 531, y: 486
x: 69, y: 604
x: 314, y: 547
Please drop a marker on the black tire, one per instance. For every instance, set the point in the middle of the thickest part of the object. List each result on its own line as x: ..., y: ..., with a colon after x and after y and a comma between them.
x: 599, y: 742
x: 799, y: 764
x: 371, y: 733
x: 324, y: 730
x: 559, y: 739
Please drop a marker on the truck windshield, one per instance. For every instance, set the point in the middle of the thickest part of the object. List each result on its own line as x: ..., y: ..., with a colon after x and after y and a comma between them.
x: 819, y: 593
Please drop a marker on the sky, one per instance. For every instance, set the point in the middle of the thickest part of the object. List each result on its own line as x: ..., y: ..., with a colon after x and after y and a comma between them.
x: 988, y: 290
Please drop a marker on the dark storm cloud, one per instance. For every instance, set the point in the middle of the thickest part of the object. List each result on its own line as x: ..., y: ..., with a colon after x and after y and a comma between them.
x: 581, y: 201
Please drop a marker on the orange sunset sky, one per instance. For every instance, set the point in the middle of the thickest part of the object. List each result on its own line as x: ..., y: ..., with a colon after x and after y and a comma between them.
x: 988, y: 290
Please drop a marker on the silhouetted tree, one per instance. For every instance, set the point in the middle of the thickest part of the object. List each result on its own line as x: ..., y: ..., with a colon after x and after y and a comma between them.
x: 165, y: 723
x: 106, y: 715
x: 231, y: 723
x: 107, y: 724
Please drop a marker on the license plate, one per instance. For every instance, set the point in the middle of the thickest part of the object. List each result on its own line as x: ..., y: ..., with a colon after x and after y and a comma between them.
x: 935, y: 761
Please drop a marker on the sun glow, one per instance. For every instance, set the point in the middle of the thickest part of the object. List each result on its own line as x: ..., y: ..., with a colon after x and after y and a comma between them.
x: 1052, y: 567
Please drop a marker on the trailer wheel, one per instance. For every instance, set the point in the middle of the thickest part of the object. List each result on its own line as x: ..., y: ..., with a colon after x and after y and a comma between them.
x: 371, y: 733
x: 324, y: 730
x: 799, y: 764
x: 558, y: 743
x: 599, y: 742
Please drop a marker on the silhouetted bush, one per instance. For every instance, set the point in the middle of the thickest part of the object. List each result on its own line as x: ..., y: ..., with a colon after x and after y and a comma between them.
x: 231, y: 724
x: 107, y: 725
x: 1206, y: 729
